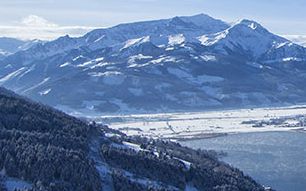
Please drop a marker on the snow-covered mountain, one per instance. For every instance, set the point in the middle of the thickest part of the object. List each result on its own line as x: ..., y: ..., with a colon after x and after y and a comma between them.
x: 160, y: 33
x: 177, y: 64
x: 10, y: 45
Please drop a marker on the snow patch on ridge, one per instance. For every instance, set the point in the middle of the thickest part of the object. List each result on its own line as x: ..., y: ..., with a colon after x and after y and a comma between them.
x: 133, y: 42
x: 45, y: 92
x: 78, y: 57
x: 12, y: 75
x: 110, y: 77
x: 176, y: 39
x: 37, y: 85
x: 65, y: 64
x: 207, y: 58
x: 132, y: 61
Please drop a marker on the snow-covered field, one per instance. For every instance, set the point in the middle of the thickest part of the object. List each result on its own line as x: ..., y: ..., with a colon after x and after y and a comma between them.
x: 208, y: 124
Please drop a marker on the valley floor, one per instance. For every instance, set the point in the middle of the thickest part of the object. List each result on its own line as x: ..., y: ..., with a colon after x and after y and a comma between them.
x: 198, y: 125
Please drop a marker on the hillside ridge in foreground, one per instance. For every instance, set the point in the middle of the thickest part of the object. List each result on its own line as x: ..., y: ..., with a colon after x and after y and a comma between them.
x: 44, y: 149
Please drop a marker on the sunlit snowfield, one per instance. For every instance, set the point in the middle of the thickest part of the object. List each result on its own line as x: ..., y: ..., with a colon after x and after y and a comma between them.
x: 209, y: 124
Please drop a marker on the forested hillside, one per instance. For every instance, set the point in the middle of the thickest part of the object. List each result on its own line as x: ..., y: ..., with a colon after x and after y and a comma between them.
x: 47, y: 150
x: 145, y: 164
x: 44, y: 146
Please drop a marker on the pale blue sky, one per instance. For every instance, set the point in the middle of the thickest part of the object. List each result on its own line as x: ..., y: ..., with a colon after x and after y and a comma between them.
x: 280, y: 16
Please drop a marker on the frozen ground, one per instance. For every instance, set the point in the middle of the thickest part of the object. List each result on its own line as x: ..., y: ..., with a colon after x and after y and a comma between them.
x: 209, y: 124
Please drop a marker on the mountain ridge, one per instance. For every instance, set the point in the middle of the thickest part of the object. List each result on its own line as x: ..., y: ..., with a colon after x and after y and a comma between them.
x: 159, y: 66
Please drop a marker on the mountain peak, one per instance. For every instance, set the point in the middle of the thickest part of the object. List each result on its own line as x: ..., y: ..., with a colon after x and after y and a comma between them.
x: 249, y: 23
x: 66, y: 37
x: 203, y: 20
x: 245, y: 36
x: 251, y: 26
x: 200, y: 16
x: 177, y: 21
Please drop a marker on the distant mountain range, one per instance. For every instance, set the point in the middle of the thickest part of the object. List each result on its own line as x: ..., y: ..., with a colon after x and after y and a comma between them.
x: 178, y: 64
x: 10, y: 46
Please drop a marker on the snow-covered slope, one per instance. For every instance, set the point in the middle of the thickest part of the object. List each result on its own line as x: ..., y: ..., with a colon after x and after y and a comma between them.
x: 10, y: 45
x: 182, y: 63
x: 249, y: 39
x: 158, y: 32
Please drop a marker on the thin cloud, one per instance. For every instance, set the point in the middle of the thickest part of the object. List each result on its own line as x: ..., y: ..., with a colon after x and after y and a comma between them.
x: 36, y: 21
x: 298, y: 39
x: 35, y: 27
